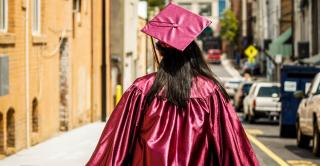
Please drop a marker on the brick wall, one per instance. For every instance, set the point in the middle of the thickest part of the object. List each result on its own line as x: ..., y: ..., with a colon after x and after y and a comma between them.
x: 59, y: 85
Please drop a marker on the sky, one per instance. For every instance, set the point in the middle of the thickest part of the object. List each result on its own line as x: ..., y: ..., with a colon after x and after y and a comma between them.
x: 142, y: 9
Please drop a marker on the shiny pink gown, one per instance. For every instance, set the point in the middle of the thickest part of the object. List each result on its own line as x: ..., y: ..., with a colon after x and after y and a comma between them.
x: 207, y: 132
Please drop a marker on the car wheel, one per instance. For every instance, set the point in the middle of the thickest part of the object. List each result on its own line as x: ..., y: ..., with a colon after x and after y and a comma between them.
x: 245, y: 113
x: 316, y: 140
x: 246, y: 117
x: 251, y: 118
x: 303, y: 141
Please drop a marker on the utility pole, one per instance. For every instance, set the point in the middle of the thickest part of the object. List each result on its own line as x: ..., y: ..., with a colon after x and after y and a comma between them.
x: 104, y: 66
x: 147, y: 49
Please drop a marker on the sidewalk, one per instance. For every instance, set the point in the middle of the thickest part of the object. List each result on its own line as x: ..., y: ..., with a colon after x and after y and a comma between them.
x: 68, y: 149
x: 230, y: 68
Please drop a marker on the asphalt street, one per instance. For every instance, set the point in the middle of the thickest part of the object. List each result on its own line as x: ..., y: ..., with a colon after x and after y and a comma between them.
x: 274, y: 150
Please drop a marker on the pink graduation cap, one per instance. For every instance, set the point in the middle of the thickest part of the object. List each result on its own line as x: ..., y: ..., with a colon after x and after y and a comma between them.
x: 176, y: 26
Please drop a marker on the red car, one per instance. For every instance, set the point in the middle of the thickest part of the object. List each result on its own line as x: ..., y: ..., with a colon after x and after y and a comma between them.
x: 214, y: 56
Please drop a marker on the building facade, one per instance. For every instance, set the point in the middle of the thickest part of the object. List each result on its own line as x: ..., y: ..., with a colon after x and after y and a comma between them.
x: 212, y: 9
x: 124, y: 21
x: 50, y: 68
x: 306, y: 28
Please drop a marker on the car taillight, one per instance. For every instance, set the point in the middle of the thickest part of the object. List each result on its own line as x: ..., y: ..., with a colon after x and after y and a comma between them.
x: 254, y: 104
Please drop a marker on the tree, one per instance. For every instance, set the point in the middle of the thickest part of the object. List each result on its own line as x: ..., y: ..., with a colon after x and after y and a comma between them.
x: 229, y: 26
x: 156, y: 3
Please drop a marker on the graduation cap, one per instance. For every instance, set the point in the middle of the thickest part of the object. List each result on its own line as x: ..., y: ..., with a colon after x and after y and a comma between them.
x: 176, y: 26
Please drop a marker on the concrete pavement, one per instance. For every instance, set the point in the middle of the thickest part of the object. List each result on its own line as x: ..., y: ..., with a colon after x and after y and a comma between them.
x: 68, y: 149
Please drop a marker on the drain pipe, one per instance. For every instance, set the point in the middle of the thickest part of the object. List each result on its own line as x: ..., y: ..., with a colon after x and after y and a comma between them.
x: 27, y: 83
x: 104, y: 65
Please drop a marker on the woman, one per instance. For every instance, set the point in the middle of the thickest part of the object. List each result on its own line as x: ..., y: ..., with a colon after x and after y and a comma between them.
x: 180, y: 115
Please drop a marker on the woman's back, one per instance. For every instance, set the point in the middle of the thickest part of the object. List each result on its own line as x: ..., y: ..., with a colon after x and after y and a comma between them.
x: 205, y: 132
x: 180, y: 115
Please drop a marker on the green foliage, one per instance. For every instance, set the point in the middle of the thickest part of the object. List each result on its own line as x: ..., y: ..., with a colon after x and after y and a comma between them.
x: 229, y: 26
x: 156, y: 3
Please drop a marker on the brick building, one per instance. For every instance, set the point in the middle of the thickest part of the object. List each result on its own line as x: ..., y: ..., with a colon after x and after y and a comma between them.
x: 51, y: 55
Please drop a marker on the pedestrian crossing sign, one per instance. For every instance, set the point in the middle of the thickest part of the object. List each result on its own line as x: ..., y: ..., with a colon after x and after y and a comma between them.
x: 251, y: 53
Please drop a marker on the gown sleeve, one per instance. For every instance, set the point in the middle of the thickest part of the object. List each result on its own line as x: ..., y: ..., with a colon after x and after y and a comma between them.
x: 230, y: 143
x: 117, y: 139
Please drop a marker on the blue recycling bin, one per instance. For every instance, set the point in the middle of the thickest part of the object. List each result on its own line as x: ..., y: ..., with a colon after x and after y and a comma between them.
x: 293, y: 78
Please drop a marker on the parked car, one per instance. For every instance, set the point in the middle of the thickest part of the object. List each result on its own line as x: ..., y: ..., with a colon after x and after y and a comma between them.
x: 214, y: 56
x: 263, y: 100
x: 308, y: 117
x: 231, y: 85
x: 241, y: 93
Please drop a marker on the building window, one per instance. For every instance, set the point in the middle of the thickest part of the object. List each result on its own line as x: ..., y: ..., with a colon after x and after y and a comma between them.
x: 1, y: 134
x: 4, y: 75
x: 186, y: 5
x: 36, y: 22
x: 10, y: 128
x: 3, y: 15
x: 222, y: 7
x: 205, y: 9
x: 77, y: 6
x: 35, y: 116
x: 315, y: 27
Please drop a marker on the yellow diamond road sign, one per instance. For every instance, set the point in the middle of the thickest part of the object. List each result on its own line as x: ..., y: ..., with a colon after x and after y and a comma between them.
x: 251, y: 52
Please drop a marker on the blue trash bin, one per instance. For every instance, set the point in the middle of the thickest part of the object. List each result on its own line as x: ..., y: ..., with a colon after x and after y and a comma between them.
x: 293, y: 78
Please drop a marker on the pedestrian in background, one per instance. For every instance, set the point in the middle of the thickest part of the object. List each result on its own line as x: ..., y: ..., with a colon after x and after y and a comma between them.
x: 180, y: 115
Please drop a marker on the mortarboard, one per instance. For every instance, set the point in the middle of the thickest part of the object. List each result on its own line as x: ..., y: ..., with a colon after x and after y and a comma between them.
x: 176, y: 26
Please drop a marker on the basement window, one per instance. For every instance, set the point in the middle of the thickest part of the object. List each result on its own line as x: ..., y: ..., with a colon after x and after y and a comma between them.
x: 3, y: 15
x: 1, y: 134
x: 36, y: 19
x: 35, y: 116
x: 11, y: 138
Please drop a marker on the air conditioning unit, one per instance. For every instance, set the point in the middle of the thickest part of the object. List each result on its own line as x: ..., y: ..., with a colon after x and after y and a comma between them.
x: 303, y: 50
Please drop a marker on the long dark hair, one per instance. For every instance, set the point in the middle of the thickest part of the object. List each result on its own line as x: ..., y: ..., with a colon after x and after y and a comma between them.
x: 176, y: 70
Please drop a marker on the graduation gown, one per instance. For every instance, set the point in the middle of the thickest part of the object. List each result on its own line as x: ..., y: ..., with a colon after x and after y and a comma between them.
x: 206, y: 132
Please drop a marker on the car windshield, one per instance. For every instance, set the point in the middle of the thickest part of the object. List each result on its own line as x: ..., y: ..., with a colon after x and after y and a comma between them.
x: 246, y: 88
x: 268, y: 91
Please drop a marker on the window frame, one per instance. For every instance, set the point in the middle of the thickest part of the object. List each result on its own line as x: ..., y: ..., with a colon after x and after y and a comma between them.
x: 6, y: 21
x: 207, y: 4
x: 76, y: 6
x: 38, y: 30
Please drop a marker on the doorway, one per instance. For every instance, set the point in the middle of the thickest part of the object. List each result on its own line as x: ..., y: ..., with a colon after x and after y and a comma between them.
x: 64, y: 85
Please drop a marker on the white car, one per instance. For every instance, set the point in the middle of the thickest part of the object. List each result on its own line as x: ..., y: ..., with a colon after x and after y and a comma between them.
x: 308, y: 117
x: 263, y: 100
x: 232, y: 85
